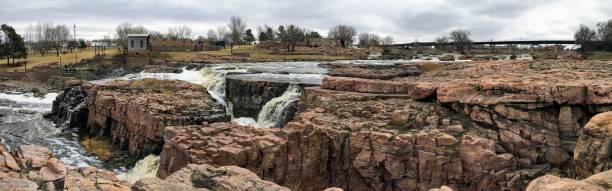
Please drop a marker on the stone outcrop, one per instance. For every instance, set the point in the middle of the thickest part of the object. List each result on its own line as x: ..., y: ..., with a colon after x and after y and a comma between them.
x: 32, y: 167
x: 69, y: 107
x: 352, y: 144
x: 416, y: 91
x: 134, y: 114
x: 471, y: 130
x: 593, y: 152
x: 598, y: 182
x: 367, y: 71
x: 206, y: 177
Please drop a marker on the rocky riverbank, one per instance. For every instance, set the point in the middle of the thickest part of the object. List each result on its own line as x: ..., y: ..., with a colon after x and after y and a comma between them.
x: 477, y: 134
x: 132, y: 115
x: 465, y: 126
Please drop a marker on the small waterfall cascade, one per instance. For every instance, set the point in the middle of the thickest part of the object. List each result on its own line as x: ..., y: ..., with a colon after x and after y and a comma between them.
x: 276, y: 110
x: 214, y: 83
x: 147, y: 167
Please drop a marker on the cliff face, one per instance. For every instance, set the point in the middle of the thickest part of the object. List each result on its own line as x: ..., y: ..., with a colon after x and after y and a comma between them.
x: 478, y: 133
x: 133, y: 114
x: 249, y: 96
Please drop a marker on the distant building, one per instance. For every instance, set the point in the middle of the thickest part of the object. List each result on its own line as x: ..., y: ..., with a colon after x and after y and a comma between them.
x: 138, y: 44
x: 322, y: 42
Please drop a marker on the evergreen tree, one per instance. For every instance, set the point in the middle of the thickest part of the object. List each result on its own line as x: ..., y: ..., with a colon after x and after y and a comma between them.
x: 14, y: 46
x: 249, y: 37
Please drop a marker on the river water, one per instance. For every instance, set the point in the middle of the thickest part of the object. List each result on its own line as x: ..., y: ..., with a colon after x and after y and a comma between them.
x: 22, y: 122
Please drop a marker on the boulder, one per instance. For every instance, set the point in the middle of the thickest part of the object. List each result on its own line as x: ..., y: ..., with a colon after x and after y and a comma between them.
x: 133, y: 114
x: 598, y: 182
x: 593, y: 151
x: 206, y: 177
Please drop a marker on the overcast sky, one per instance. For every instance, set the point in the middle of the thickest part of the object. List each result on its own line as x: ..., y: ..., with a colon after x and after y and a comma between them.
x: 405, y: 20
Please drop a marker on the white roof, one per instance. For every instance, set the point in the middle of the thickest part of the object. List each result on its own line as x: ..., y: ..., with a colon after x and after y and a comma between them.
x: 138, y: 35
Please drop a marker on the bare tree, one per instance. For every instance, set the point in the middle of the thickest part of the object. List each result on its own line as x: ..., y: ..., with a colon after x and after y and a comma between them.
x: 179, y: 33
x: 367, y: 40
x: 212, y: 36
x: 237, y: 28
x: 388, y: 40
x: 344, y: 33
x: 604, y: 31
x: 585, y: 37
x: 156, y: 34
x: 127, y: 28
x: 222, y: 34
x: 441, y: 42
x: 461, y: 39
x: 57, y: 37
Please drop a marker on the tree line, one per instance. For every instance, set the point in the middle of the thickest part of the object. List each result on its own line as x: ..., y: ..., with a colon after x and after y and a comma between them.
x: 237, y: 33
x: 599, y: 38
x: 43, y: 37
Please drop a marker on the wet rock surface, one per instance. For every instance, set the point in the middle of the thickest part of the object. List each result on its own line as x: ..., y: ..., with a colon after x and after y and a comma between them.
x: 69, y: 106
x: 247, y: 96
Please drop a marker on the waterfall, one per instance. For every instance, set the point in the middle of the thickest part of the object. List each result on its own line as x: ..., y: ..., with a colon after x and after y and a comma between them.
x: 275, y: 112
x: 214, y: 83
x: 147, y: 167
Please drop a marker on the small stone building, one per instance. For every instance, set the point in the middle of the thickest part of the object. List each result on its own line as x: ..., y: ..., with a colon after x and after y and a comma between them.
x: 322, y: 42
x: 138, y: 44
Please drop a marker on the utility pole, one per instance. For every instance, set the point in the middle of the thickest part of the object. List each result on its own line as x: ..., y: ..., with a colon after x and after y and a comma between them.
x: 76, y: 55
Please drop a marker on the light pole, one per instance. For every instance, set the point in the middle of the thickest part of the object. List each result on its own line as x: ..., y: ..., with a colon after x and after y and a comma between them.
x: 76, y: 54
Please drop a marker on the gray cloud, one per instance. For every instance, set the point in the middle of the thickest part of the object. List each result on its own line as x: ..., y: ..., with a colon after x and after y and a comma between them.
x: 405, y: 20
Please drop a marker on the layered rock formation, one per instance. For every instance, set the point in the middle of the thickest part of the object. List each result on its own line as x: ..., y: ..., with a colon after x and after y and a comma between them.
x: 471, y: 130
x: 382, y: 72
x: 206, y: 177
x: 133, y: 114
x: 32, y: 167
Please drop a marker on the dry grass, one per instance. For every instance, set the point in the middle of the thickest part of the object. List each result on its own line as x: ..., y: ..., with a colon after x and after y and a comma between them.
x: 430, y: 67
x: 152, y: 84
x: 51, y: 57
x: 256, y: 55
x: 600, y: 56
x: 99, y: 147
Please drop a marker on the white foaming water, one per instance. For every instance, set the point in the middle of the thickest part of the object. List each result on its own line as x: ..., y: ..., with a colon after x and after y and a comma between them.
x: 147, y: 167
x: 214, y: 83
x: 28, y: 101
x: 273, y: 112
x: 193, y: 76
x: 245, y: 121
x: 72, y: 153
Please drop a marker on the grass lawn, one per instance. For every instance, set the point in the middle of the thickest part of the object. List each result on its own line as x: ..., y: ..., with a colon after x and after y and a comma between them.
x: 50, y: 57
x: 256, y: 55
